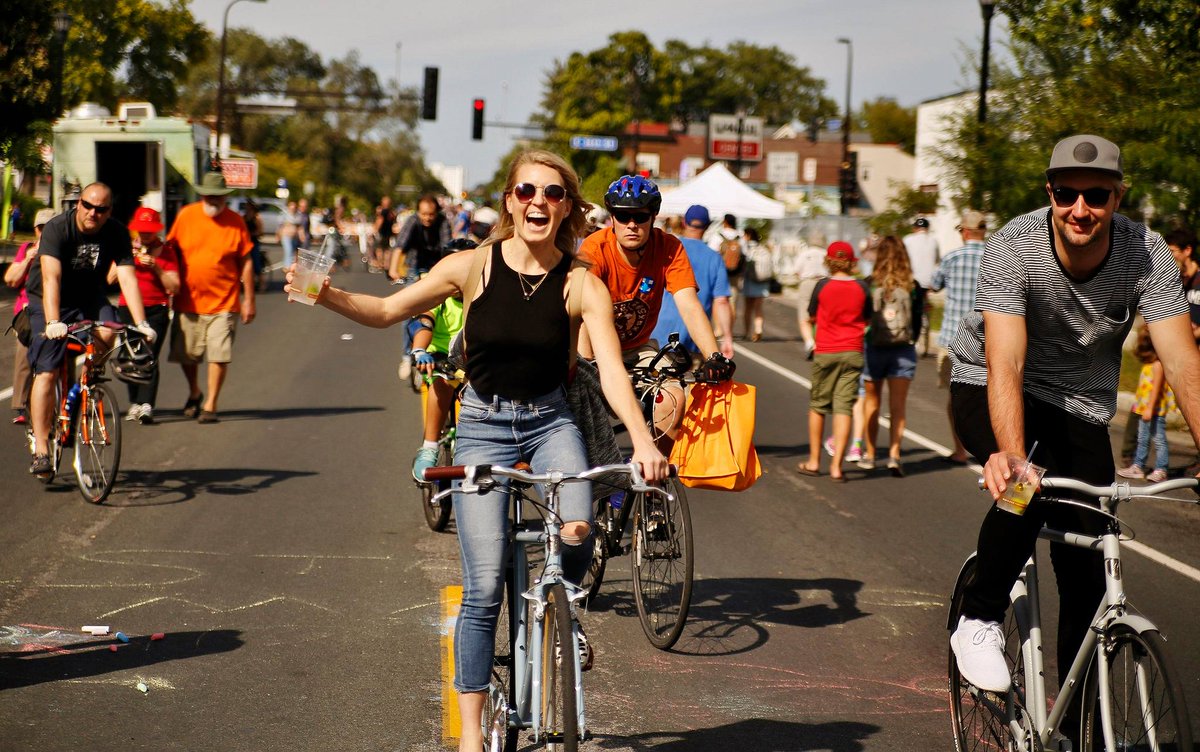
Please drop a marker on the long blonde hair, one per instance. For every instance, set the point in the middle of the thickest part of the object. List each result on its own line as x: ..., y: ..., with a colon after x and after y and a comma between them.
x: 573, y: 225
x: 892, y: 269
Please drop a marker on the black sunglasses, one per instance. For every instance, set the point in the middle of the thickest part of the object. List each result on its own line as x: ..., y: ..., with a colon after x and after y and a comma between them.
x: 625, y: 217
x: 525, y: 192
x: 98, y: 208
x: 1097, y: 198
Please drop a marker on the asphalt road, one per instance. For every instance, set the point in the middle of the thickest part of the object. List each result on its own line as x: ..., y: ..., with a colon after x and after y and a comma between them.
x: 283, y: 555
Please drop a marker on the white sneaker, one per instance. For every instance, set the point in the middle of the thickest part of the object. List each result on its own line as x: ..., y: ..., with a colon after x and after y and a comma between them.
x: 979, y: 649
x: 135, y: 413
x: 146, y: 416
x: 405, y: 369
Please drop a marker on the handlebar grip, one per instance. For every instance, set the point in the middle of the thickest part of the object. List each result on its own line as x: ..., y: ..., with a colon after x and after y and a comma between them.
x: 447, y: 472
x: 673, y: 471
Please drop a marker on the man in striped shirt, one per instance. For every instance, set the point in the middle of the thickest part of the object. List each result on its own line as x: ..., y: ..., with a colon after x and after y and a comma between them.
x: 1038, y: 360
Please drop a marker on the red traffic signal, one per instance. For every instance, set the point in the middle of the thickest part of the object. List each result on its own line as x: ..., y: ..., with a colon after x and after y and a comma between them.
x: 477, y: 121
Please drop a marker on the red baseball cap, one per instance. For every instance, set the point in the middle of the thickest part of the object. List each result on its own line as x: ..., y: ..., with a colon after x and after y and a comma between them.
x: 840, y: 249
x: 146, y: 219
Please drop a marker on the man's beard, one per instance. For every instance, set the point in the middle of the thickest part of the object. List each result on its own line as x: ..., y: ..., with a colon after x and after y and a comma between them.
x: 212, y: 210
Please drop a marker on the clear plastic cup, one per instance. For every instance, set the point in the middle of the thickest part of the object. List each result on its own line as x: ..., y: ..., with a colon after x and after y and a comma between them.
x: 312, y: 267
x: 1024, y: 481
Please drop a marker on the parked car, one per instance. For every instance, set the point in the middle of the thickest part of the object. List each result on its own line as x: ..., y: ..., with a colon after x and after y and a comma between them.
x: 270, y: 211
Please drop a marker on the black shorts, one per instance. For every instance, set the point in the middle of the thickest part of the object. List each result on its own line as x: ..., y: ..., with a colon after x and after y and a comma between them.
x: 46, y: 355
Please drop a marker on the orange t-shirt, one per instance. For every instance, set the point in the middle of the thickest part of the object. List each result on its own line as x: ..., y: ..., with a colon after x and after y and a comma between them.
x: 637, y: 293
x: 211, y: 254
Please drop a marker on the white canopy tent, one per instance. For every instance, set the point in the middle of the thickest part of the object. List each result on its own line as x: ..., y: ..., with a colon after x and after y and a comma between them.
x: 719, y: 190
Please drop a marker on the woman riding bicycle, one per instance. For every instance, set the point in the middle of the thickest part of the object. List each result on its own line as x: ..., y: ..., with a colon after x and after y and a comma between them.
x: 514, y: 408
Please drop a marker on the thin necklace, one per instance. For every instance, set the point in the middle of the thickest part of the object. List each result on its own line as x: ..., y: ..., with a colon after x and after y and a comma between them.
x: 529, y: 288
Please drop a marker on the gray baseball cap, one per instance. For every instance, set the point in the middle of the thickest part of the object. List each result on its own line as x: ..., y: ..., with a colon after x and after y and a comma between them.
x: 1085, y: 152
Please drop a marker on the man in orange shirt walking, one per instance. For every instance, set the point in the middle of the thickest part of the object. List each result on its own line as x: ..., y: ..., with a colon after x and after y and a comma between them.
x: 214, y: 253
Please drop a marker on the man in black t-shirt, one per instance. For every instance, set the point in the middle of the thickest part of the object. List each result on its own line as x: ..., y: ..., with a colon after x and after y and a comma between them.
x: 421, y: 240
x: 67, y: 286
x: 385, y: 225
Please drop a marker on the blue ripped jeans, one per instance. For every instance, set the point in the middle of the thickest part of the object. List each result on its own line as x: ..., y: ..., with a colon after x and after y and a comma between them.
x: 500, y: 431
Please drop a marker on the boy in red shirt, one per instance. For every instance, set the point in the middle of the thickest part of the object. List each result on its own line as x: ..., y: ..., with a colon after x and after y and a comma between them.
x: 841, y: 307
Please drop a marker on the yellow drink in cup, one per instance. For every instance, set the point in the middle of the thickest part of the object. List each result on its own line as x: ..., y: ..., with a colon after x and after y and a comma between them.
x: 1022, y: 484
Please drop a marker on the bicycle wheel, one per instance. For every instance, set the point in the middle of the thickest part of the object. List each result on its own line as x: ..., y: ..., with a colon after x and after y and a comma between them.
x: 594, y: 575
x: 437, y: 515
x: 97, y: 443
x: 978, y: 718
x: 560, y: 723
x: 1148, y: 710
x: 661, y: 560
x: 498, y: 734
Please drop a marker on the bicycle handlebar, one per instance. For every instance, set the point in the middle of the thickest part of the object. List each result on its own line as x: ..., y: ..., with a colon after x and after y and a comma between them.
x: 476, y: 472
x: 1121, y: 490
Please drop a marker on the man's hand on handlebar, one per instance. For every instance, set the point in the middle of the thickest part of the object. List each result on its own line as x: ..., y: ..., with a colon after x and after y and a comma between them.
x: 717, y: 369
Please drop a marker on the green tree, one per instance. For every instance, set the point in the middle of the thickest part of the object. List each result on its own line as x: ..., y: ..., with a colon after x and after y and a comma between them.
x: 889, y: 123
x: 1123, y: 69
x: 907, y: 202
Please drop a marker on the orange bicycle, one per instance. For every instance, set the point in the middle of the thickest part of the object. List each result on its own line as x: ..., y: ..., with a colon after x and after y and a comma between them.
x: 88, y: 418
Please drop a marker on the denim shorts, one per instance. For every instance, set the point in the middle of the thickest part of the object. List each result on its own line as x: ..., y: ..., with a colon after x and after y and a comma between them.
x: 46, y: 355
x: 891, y: 362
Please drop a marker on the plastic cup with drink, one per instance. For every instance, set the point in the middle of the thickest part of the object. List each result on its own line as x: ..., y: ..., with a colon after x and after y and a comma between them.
x: 1025, y: 479
x: 311, y: 269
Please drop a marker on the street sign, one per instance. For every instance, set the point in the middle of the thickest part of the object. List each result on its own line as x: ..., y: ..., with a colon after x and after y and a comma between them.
x: 725, y: 132
x: 782, y: 167
x: 810, y: 169
x: 240, y: 173
x: 594, y: 143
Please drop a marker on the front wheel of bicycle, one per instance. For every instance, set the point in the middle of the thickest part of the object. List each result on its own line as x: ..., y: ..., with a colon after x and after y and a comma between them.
x: 560, y: 722
x: 437, y: 514
x: 97, y: 443
x: 1147, y: 706
x: 979, y: 718
x: 662, y: 564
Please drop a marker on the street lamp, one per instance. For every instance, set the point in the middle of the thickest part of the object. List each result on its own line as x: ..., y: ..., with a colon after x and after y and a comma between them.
x: 221, y: 69
x: 62, y: 24
x: 846, y: 122
x: 987, y: 7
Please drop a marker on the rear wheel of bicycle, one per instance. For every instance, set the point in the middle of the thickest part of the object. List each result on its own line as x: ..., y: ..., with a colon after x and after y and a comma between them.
x: 594, y: 576
x: 97, y: 443
x: 498, y: 734
x: 661, y: 560
x: 560, y: 722
x: 978, y: 718
x: 437, y: 514
x: 1148, y: 710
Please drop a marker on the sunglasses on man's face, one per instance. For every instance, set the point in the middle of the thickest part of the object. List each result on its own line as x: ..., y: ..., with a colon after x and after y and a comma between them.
x: 1097, y: 198
x: 98, y: 208
x: 525, y: 192
x: 625, y: 217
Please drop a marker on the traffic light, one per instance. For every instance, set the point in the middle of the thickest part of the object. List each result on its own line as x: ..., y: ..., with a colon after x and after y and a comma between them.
x: 477, y: 121
x: 848, y: 182
x: 429, y: 95
x: 814, y: 128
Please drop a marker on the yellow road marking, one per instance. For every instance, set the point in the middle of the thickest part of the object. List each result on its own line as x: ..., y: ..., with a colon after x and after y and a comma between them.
x: 451, y: 721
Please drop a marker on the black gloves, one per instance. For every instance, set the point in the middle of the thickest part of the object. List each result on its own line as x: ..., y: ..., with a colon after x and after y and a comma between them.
x: 717, y: 368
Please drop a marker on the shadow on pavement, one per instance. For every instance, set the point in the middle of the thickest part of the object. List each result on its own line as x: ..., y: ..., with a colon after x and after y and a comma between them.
x: 139, y: 488
x: 759, y: 734
x: 176, y: 416
x: 50, y: 663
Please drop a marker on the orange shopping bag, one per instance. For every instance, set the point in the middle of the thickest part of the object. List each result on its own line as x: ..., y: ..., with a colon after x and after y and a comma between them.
x: 715, y: 447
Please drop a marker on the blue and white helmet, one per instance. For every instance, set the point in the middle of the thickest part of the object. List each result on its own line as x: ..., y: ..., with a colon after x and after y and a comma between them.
x: 633, y: 192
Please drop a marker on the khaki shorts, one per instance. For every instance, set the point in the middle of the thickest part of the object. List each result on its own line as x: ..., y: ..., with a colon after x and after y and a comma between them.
x: 943, y: 368
x: 835, y: 382
x: 196, y: 337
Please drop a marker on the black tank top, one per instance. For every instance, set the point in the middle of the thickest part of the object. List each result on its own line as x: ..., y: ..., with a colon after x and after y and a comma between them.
x: 517, y: 347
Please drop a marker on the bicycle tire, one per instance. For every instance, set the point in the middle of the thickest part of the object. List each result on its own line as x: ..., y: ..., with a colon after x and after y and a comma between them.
x: 97, y: 443
x: 499, y: 735
x: 560, y: 721
x: 1138, y: 663
x: 594, y: 576
x: 661, y: 558
x: 975, y: 726
x: 437, y: 516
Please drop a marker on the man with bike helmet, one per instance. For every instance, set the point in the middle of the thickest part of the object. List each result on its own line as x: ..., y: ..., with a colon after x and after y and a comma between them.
x: 639, y: 263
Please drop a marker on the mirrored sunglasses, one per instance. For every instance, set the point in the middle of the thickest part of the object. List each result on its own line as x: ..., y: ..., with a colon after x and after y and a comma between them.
x: 525, y: 192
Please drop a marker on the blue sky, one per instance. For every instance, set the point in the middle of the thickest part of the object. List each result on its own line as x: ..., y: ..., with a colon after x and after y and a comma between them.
x: 500, y: 50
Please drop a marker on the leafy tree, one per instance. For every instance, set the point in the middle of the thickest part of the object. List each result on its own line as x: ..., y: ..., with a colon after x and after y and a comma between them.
x: 1123, y: 69
x: 604, y: 90
x: 889, y: 123
x: 906, y: 203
